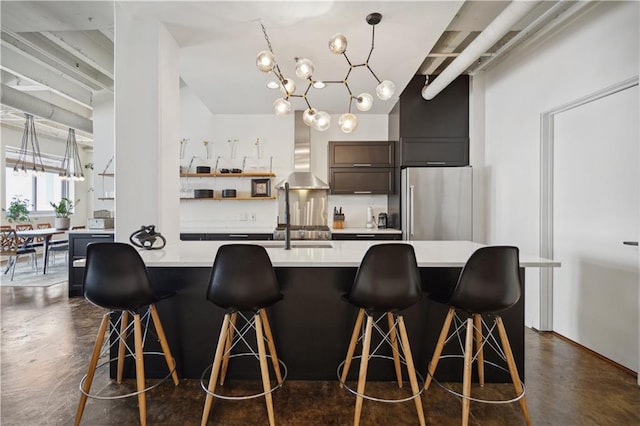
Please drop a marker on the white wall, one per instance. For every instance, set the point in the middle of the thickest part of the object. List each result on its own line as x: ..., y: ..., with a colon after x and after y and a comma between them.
x: 595, y: 51
x: 276, y: 135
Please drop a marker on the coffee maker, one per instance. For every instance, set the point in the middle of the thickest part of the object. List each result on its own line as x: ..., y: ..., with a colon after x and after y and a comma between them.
x: 382, y: 221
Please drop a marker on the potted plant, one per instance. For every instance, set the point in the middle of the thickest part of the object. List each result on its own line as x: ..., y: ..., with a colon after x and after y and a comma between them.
x: 63, y: 210
x: 18, y: 210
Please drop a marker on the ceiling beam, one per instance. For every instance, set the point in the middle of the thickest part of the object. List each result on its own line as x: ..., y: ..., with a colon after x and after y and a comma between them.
x: 15, y: 62
x: 450, y: 41
x: 81, y: 46
x: 35, y: 45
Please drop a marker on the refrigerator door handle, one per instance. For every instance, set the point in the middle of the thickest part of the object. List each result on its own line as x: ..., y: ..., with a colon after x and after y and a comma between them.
x: 411, y: 215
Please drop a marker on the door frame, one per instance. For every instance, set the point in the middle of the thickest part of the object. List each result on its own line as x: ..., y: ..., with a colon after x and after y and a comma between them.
x: 547, y: 135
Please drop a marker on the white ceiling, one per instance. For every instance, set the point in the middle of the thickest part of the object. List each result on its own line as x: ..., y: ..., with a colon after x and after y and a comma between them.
x: 62, y: 52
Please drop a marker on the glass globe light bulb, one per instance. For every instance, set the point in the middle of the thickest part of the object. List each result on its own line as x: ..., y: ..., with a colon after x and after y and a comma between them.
x: 323, y: 121
x: 364, y: 102
x: 348, y: 122
x: 338, y: 44
x: 304, y: 68
x: 309, y: 116
x: 289, y: 86
x: 385, y: 90
x: 265, y: 61
x: 281, y: 107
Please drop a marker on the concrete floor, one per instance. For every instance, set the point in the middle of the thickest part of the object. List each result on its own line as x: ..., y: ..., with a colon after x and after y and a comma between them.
x: 47, y: 339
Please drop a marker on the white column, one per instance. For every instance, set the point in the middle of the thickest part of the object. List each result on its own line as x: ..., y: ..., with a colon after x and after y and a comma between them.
x: 147, y: 123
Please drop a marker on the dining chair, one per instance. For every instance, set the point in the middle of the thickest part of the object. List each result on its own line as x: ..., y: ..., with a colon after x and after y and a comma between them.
x: 12, y: 249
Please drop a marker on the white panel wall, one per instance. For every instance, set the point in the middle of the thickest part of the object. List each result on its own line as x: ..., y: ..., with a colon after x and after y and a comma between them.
x: 596, y: 51
x: 147, y: 123
x: 276, y: 135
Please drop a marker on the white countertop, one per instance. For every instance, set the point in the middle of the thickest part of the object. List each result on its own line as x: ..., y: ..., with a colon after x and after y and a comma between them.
x: 92, y: 231
x: 339, y: 254
x: 262, y: 230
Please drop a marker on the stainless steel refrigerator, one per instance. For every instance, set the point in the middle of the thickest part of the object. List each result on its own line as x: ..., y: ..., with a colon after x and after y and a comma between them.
x: 437, y: 203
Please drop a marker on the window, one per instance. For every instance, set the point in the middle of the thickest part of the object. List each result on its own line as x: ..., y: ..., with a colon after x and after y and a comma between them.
x: 39, y: 190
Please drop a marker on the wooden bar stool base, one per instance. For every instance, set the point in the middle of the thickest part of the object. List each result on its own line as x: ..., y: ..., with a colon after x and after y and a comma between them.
x: 474, y: 329
x: 398, y: 340
x: 121, y: 329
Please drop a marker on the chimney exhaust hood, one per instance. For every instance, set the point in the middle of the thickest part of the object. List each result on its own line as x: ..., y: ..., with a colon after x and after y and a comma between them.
x: 302, y: 178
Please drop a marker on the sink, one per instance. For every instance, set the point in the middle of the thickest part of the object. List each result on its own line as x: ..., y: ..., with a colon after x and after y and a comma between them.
x: 297, y: 244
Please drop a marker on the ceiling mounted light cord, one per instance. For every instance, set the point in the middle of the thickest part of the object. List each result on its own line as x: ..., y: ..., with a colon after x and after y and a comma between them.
x: 321, y: 120
x: 29, y: 146
x: 71, y: 164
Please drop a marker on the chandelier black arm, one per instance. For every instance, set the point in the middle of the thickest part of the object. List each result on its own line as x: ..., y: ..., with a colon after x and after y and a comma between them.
x: 373, y: 36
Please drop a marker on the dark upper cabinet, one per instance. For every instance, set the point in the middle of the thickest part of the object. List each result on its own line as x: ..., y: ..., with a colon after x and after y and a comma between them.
x: 354, y: 180
x: 435, y: 132
x: 361, y: 167
x: 361, y: 154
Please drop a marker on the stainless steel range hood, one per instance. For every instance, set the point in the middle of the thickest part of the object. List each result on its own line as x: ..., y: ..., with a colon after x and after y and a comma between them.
x: 302, y: 178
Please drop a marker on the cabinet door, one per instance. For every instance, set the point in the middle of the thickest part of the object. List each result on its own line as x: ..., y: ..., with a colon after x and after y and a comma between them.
x: 359, y: 181
x: 366, y: 236
x: 434, y: 152
x: 361, y: 154
x: 237, y: 236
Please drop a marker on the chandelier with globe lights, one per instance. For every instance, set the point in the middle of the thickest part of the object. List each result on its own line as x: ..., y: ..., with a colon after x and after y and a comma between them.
x: 321, y: 120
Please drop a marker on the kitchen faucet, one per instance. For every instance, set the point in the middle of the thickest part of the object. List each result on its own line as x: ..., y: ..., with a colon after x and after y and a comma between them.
x: 287, y: 218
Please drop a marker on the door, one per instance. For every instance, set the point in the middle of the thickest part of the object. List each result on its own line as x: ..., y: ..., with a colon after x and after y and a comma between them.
x: 596, y: 208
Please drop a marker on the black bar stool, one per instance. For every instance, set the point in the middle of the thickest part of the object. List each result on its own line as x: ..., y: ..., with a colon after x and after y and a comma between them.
x: 489, y: 283
x: 116, y: 279
x: 388, y: 281
x: 243, y: 280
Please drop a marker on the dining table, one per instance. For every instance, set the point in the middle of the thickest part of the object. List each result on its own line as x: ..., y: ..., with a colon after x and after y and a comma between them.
x: 46, y: 234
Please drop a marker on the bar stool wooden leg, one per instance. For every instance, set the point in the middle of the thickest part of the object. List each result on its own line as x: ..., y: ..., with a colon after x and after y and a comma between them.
x: 515, y: 377
x: 352, y: 346
x: 411, y: 368
x: 394, y: 343
x: 477, y: 323
x: 271, y: 345
x: 362, y: 377
x: 215, y: 369
x: 227, y: 348
x: 142, y: 401
x: 92, y: 366
x: 124, y: 322
x: 163, y: 344
x: 439, y: 346
x: 466, y: 380
x: 264, y: 369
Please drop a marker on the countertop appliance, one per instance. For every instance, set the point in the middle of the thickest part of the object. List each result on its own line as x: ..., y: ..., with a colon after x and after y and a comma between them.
x: 382, y: 221
x: 437, y: 203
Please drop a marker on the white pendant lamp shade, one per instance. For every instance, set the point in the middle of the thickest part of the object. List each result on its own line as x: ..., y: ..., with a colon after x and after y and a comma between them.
x: 265, y: 61
x: 309, y: 116
x: 385, y: 90
x: 322, y: 122
x: 338, y: 44
x: 304, y: 68
x: 281, y: 107
x: 348, y: 122
x: 364, y: 102
x: 289, y: 86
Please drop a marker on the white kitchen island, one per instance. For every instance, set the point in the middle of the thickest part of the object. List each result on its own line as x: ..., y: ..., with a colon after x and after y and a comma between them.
x: 313, y: 322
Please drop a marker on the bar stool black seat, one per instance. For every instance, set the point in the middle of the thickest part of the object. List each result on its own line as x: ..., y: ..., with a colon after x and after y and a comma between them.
x: 116, y: 279
x: 387, y: 281
x: 488, y: 284
x: 243, y: 280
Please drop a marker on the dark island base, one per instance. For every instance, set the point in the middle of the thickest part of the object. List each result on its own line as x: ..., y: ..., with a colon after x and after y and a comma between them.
x: 312, y: 326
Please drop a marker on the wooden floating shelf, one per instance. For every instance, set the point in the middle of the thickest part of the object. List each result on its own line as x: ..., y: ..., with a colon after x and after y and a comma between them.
x: 106, y: 174
x: 218, y: 198
x: 218, y: 174
x: 106, y: 198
